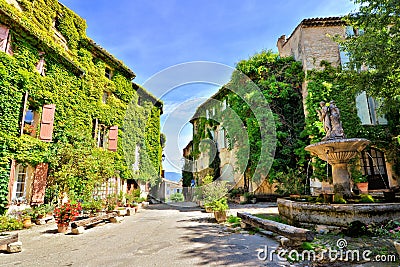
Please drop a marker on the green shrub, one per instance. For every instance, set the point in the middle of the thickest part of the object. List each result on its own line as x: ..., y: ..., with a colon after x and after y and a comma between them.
x: 177, y: 197
x: 338, y: 198
x: 220, y: 204
x: 365, y: 198
x: 9, y: 224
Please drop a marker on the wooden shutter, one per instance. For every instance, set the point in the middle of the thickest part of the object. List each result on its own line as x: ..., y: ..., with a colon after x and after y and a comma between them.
x: 113, y: 138
x: 11, y: 180
x: 39, y: 184
x: 46, y: 125
x: 4, y: 31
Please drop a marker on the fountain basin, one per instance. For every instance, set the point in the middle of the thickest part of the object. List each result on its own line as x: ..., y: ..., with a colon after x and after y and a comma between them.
x: 338, y: 150
x: 337, y: 153
x: 336, y: 214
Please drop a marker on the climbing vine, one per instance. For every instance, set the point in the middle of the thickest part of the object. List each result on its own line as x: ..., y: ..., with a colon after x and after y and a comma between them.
x: 75, y: 82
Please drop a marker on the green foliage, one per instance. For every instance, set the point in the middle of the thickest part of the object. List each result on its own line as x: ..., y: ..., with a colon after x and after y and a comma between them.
x: 338, y: 198
x: 213, y: 191
x: 9, y: 224
x: 76, y: 165
x: 290, y: 182
x: 220, y: 204
x: 279, y: 80
x: 365, y: 198
x: 378, y: 47
x: 177, y: 197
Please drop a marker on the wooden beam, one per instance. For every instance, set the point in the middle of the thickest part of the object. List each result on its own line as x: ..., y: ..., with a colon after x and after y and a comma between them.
x: 93, y: 220
x: 4, y: 240
x: 291, y: 232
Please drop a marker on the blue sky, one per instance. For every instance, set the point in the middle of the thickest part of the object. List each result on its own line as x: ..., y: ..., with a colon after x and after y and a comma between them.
x: 150, y: 36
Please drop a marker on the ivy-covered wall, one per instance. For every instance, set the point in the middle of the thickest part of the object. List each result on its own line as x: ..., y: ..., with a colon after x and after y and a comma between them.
x: 279, y: 80
x: 75, y: 82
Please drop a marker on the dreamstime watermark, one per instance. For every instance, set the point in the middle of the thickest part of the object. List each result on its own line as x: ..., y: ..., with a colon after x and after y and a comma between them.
x: 330, y: 254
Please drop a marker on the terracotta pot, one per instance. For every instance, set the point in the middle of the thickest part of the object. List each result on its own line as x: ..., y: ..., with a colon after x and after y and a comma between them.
x: 220, y: 216
x: 62, y: 228
x: 209, y: 209
x: 27, y: 222
x: 363, y: 187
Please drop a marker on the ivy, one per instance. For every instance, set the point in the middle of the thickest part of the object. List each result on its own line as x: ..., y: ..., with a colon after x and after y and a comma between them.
x: 76, y: 165
x: 279, y: 80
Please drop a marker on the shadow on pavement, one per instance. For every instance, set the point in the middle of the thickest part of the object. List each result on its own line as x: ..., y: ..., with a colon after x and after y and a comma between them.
x: 217, y: 247
x: 173, y: 207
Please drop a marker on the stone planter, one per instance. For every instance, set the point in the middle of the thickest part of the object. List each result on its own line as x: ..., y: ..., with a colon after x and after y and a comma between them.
x: 337, y: 214
x: 62, y: 228
x: 220, y: 216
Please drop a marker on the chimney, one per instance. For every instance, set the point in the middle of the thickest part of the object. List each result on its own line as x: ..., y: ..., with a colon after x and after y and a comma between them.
x: 280, y: 43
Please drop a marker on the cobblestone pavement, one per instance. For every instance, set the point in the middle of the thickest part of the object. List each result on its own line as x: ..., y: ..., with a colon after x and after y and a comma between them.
x: 160, y: 235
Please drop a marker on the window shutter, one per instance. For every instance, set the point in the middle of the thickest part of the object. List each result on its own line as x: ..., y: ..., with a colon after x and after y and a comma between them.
x: 39, y: 184
x: 4, y: 31
x: 46, y: 125
x: 11, y: 180
x: 113, y: 138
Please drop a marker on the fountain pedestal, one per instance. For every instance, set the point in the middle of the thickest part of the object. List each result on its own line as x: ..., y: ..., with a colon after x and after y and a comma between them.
x: 338, y: 153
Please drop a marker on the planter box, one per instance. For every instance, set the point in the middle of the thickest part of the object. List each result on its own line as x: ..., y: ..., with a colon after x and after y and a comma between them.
x: 220, y: 216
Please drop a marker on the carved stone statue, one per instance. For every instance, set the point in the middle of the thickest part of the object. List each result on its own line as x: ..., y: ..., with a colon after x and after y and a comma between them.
x: 337, y: 129
x: 330, y: 117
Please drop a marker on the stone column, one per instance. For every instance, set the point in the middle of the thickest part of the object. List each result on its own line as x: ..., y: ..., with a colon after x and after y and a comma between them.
x: 341, y: 179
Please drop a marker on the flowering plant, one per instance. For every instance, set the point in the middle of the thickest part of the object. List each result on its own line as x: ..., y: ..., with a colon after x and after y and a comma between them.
x: 28, y: 129
x: 66, y: 213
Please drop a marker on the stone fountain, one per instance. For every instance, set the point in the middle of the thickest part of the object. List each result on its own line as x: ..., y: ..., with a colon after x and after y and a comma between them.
x: 337, y: 150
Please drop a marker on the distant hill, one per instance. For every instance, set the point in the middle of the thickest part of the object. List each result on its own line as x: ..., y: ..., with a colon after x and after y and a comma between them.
x: 173, y: 176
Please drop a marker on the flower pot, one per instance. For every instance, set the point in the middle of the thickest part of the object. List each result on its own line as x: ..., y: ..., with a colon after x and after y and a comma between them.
x: 363, y: 187
x: 27, y: 222
x: 209, y: 209
x: 220, y: 216
x: 62, y: 228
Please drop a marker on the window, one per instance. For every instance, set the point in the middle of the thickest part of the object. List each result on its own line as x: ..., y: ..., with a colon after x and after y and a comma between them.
x: 108, y: 73
x: 5, y: 40
x: 374, y: 167
x: 213, y: 111
x: 207, y: 114
x: 105, y: 97
x: 20, y: 182
x: 29, y: 117
x: 223, y: 105
x: 222, y: 139
x: 40, y: 66
x: 101, y: 136
x: 368, y: 110
x: 135, y: 165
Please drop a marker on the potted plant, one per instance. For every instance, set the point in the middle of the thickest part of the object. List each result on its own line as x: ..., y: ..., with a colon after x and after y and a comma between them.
x: 220, y: 207
x: 209, y: 207
x: 361, y: 182
x: 65, y: 214
x: 26, y: 217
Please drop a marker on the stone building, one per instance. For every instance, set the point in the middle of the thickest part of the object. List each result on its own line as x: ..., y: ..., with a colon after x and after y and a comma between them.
x: 61, y: 91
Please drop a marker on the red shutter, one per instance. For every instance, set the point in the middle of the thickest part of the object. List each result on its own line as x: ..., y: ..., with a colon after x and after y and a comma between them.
x: 46, y: 125
x: 39, y: 184
x: 4, y: 31
x: 11, y: 180
x: 113, y: 138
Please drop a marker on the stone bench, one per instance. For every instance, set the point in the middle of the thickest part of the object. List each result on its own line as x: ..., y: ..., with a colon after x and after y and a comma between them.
x: 13, y: 245
x: 44, y: 220
x: 295, y: 235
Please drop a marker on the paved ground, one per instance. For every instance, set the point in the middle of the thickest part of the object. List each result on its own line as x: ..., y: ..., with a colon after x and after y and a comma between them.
x: 158, y: 236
